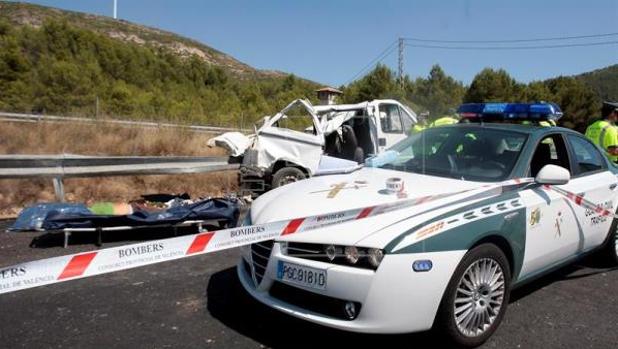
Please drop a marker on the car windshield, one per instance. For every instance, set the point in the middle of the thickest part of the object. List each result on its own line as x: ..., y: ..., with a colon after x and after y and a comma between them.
x: 469, y: 153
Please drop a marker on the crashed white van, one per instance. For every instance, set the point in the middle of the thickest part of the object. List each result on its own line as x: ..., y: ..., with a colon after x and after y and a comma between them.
x: 304, y: 140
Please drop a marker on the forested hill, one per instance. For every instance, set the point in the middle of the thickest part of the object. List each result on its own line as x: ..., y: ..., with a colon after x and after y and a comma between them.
x: 35, y: 16
x: 603, y: 81
x: 61, y: 62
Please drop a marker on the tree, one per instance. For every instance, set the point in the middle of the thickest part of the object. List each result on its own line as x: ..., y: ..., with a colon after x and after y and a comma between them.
x: 379, y: 83
x: 536, y: 91
x: 439, y: 93
x: 492, y: 86
x: 578, y: 102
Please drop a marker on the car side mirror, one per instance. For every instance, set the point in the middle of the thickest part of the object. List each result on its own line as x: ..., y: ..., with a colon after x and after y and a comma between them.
x: 553, y: 175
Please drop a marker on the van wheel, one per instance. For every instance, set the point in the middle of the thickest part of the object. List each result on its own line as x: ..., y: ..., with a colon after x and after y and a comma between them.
x: 287, y: 175
x: 609, y: 252
x: 476, y: 297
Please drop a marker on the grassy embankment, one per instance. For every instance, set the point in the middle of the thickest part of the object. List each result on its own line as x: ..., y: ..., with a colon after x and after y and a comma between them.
x: 85, y: 139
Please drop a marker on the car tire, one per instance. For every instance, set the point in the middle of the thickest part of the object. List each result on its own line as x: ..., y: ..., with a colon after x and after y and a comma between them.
x: 468, y: 320
x: 609, y: 251
x: 287, y: 175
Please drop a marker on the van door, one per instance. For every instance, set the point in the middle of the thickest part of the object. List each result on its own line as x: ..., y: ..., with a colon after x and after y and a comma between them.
x: 391, y: 128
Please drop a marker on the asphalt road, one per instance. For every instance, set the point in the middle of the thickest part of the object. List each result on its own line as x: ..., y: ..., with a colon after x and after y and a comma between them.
x: 198, y: 302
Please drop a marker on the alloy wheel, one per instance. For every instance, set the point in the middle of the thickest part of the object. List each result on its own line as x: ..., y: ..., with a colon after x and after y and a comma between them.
x: 479, y: 298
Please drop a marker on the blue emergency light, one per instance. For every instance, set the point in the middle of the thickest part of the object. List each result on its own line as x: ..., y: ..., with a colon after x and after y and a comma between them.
x: 511, y: 111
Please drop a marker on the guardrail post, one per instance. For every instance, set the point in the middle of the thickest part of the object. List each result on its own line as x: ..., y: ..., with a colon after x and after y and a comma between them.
x: 59, y: 189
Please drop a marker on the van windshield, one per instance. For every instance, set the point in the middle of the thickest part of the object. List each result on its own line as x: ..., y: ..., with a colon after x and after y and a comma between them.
x: 469, y: 153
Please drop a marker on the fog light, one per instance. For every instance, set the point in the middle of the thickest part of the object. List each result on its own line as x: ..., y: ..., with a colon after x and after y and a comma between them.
x: 331, y: 252
x: 375, y: 256
x: 351, y: 254
x: 350, y: 310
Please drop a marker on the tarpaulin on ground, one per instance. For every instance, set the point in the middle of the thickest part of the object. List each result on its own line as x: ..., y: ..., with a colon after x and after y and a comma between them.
x: 32, y: 218
x: 226, y: 210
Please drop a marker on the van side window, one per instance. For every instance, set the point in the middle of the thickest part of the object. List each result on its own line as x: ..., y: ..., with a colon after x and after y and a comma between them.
x: 390, y: 118
x: 406, y: 120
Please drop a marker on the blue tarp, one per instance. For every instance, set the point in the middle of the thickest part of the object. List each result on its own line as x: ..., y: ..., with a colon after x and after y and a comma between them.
x: 226, y: 210
x: 32, y: 218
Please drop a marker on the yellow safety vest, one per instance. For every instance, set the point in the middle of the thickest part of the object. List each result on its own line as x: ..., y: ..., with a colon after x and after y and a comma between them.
x: 417, y: 128
x: 447, y: 120
x: 605, y: 135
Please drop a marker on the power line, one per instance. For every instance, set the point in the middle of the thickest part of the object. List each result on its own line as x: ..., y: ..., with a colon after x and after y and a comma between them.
x: 559, y: 38
x: 540, y: 47
x: 387, y: 51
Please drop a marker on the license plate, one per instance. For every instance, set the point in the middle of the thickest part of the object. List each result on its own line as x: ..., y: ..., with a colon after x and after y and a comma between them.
x: 301, y: 275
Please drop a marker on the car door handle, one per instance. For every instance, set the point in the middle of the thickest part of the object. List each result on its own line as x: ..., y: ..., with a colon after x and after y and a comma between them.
x: 613, y: 186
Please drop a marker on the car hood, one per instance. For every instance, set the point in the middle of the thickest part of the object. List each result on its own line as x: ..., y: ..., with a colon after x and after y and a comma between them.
x: 363, y: 188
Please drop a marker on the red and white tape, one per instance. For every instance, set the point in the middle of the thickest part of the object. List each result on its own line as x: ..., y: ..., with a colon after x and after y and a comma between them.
x: 70, y: 267
x: 579, y: 200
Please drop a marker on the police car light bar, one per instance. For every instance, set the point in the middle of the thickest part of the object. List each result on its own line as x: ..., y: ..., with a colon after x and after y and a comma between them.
x: 511, y: 111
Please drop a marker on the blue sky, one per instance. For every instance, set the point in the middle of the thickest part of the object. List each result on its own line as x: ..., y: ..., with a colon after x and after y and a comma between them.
x: 331, y: 41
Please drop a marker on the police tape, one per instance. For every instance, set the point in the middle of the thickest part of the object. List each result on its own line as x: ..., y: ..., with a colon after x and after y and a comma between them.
x: 579, y: 200
x: 70, y: 267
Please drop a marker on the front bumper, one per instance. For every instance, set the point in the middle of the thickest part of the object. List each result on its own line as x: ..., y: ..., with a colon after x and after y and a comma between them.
x: 393, y: 299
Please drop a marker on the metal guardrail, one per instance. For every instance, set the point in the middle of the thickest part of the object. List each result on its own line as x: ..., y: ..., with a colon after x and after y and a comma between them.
x: 59, y: 167
x: 17, y: 117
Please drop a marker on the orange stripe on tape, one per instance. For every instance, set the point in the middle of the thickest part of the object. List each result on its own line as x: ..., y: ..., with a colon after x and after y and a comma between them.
x: 292, y: 227
x: 199, y: 243
x: 77, y: 265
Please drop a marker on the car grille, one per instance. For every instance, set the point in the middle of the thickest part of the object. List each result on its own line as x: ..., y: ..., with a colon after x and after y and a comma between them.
x: 328, y: 306
x: 260, y: 252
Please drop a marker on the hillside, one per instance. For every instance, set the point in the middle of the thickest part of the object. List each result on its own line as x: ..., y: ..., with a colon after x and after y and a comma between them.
x: 61, y: 62
x: 35, y: 16
x: 603, y: 81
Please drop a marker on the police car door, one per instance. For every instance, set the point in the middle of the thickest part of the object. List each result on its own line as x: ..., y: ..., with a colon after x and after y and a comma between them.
x: 552, y: 233
x: 591, y: 179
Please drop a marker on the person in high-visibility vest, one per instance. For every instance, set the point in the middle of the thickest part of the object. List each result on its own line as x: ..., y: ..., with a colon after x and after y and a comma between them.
x: 604, y: 133
x: 445, y: 120
x: 548, y: 123
x: 418, y: 128
x: 421, y: 123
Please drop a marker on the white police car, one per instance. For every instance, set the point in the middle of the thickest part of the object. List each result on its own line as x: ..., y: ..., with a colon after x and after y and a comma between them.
x: 452, y: 261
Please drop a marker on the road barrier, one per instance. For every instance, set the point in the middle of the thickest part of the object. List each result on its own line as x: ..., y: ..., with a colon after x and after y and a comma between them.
x: 18, y: 117
x: 59, y: 167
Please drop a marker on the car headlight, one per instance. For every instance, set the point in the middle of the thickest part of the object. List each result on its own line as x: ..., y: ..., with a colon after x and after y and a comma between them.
x: 351, y: 254
x: 360, y: 257
x: 375, y: 256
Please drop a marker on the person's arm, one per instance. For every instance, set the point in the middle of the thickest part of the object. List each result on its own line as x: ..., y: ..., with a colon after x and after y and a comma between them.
x: 612, y: 150
x: 611, y: 141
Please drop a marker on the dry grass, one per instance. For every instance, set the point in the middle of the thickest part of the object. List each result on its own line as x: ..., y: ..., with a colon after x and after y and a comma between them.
x: 50, y: 138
